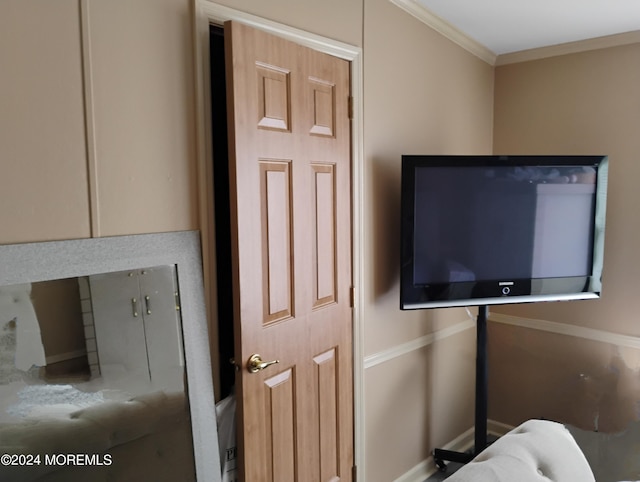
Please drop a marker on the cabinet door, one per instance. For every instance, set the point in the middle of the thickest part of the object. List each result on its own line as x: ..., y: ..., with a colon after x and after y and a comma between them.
x: 119, y: 325
x: 162, y: 325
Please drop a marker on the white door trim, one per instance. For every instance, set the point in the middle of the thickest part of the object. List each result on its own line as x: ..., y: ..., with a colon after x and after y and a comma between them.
x: 205, y: 14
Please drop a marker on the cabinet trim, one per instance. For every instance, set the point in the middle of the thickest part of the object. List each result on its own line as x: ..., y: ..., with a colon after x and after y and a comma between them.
x: 89, y: 120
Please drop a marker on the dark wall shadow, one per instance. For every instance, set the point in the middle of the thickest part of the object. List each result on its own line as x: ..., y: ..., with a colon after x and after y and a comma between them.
x: 385, y: 186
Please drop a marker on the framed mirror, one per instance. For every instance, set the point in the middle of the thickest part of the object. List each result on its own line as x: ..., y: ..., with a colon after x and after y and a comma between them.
x: 105, y: 370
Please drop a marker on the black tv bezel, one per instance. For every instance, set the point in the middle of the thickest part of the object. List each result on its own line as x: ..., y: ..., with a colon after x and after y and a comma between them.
x: 489, y: 292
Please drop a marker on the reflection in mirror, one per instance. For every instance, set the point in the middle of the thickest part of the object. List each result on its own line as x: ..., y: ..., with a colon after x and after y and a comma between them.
x: 97, y: 366
x: 94, y: 343
x: 137, y: 329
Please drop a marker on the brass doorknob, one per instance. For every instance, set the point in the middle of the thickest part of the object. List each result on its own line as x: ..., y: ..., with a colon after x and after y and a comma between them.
x: 255, y: 363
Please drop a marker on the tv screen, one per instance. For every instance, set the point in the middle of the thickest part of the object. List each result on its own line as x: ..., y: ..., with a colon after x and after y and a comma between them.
x: 479, y: 230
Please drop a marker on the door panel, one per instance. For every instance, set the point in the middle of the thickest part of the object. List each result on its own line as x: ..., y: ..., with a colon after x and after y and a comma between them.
x: 290, y: 167
x: 281, y: 424
x: 277, y: 269
x: 323, y: 189
x: 328, y: 420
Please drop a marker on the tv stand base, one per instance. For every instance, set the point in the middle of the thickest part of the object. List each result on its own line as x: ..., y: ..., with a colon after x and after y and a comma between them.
x: 441, y: 455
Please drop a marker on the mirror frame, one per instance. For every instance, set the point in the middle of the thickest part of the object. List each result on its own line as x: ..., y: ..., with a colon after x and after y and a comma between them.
x: 45, y: 261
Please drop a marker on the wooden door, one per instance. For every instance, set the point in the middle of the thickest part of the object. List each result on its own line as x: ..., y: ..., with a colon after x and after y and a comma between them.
x: 290, y: 171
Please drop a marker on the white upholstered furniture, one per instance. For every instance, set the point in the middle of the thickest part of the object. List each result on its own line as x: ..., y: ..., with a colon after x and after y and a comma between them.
x: 145, y: 438
x: 536, y: 451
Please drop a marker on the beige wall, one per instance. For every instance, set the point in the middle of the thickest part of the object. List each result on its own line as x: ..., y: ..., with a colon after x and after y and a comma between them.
x: 124, y: 163
x: 97, y: 122
x: 144, y: 118
x: 584, y: 103
x: 417, y: 402
x: 43, y: 178
x: 590, y: 384
x: 57, y: 306
x: 422, y: 95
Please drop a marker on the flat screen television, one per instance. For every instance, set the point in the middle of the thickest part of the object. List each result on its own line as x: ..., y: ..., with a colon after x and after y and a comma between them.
x: 482, y: 230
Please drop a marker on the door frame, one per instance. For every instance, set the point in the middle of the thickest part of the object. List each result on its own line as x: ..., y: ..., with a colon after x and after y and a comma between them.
x: 208, y: 13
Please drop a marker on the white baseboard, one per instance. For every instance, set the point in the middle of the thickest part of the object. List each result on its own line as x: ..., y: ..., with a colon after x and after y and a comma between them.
x: 498, y: 428
x: 462, y: 442
x: 419, y: 473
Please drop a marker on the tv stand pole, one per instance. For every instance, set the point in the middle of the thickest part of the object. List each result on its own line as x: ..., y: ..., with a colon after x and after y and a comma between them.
x: 480, y: 436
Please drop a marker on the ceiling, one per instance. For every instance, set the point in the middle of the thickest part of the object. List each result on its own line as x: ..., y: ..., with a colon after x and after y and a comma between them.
x: 505, y: 26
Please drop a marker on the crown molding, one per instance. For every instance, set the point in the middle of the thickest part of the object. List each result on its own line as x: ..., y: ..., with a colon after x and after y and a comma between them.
x: 446, y: 29
x: 414, y: 8
x: 597, y: 43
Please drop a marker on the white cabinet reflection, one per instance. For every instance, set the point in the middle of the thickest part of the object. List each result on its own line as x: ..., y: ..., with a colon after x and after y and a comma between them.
x: 137, y: 326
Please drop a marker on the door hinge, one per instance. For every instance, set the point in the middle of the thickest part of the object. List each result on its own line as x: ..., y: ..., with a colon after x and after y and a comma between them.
x: 350, y: 106
x: 354, y: 473
x: 352, y: 297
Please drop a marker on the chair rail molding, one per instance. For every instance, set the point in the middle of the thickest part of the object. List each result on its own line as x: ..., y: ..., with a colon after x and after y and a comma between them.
x: 426, y: 340
x: 569, y: 330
